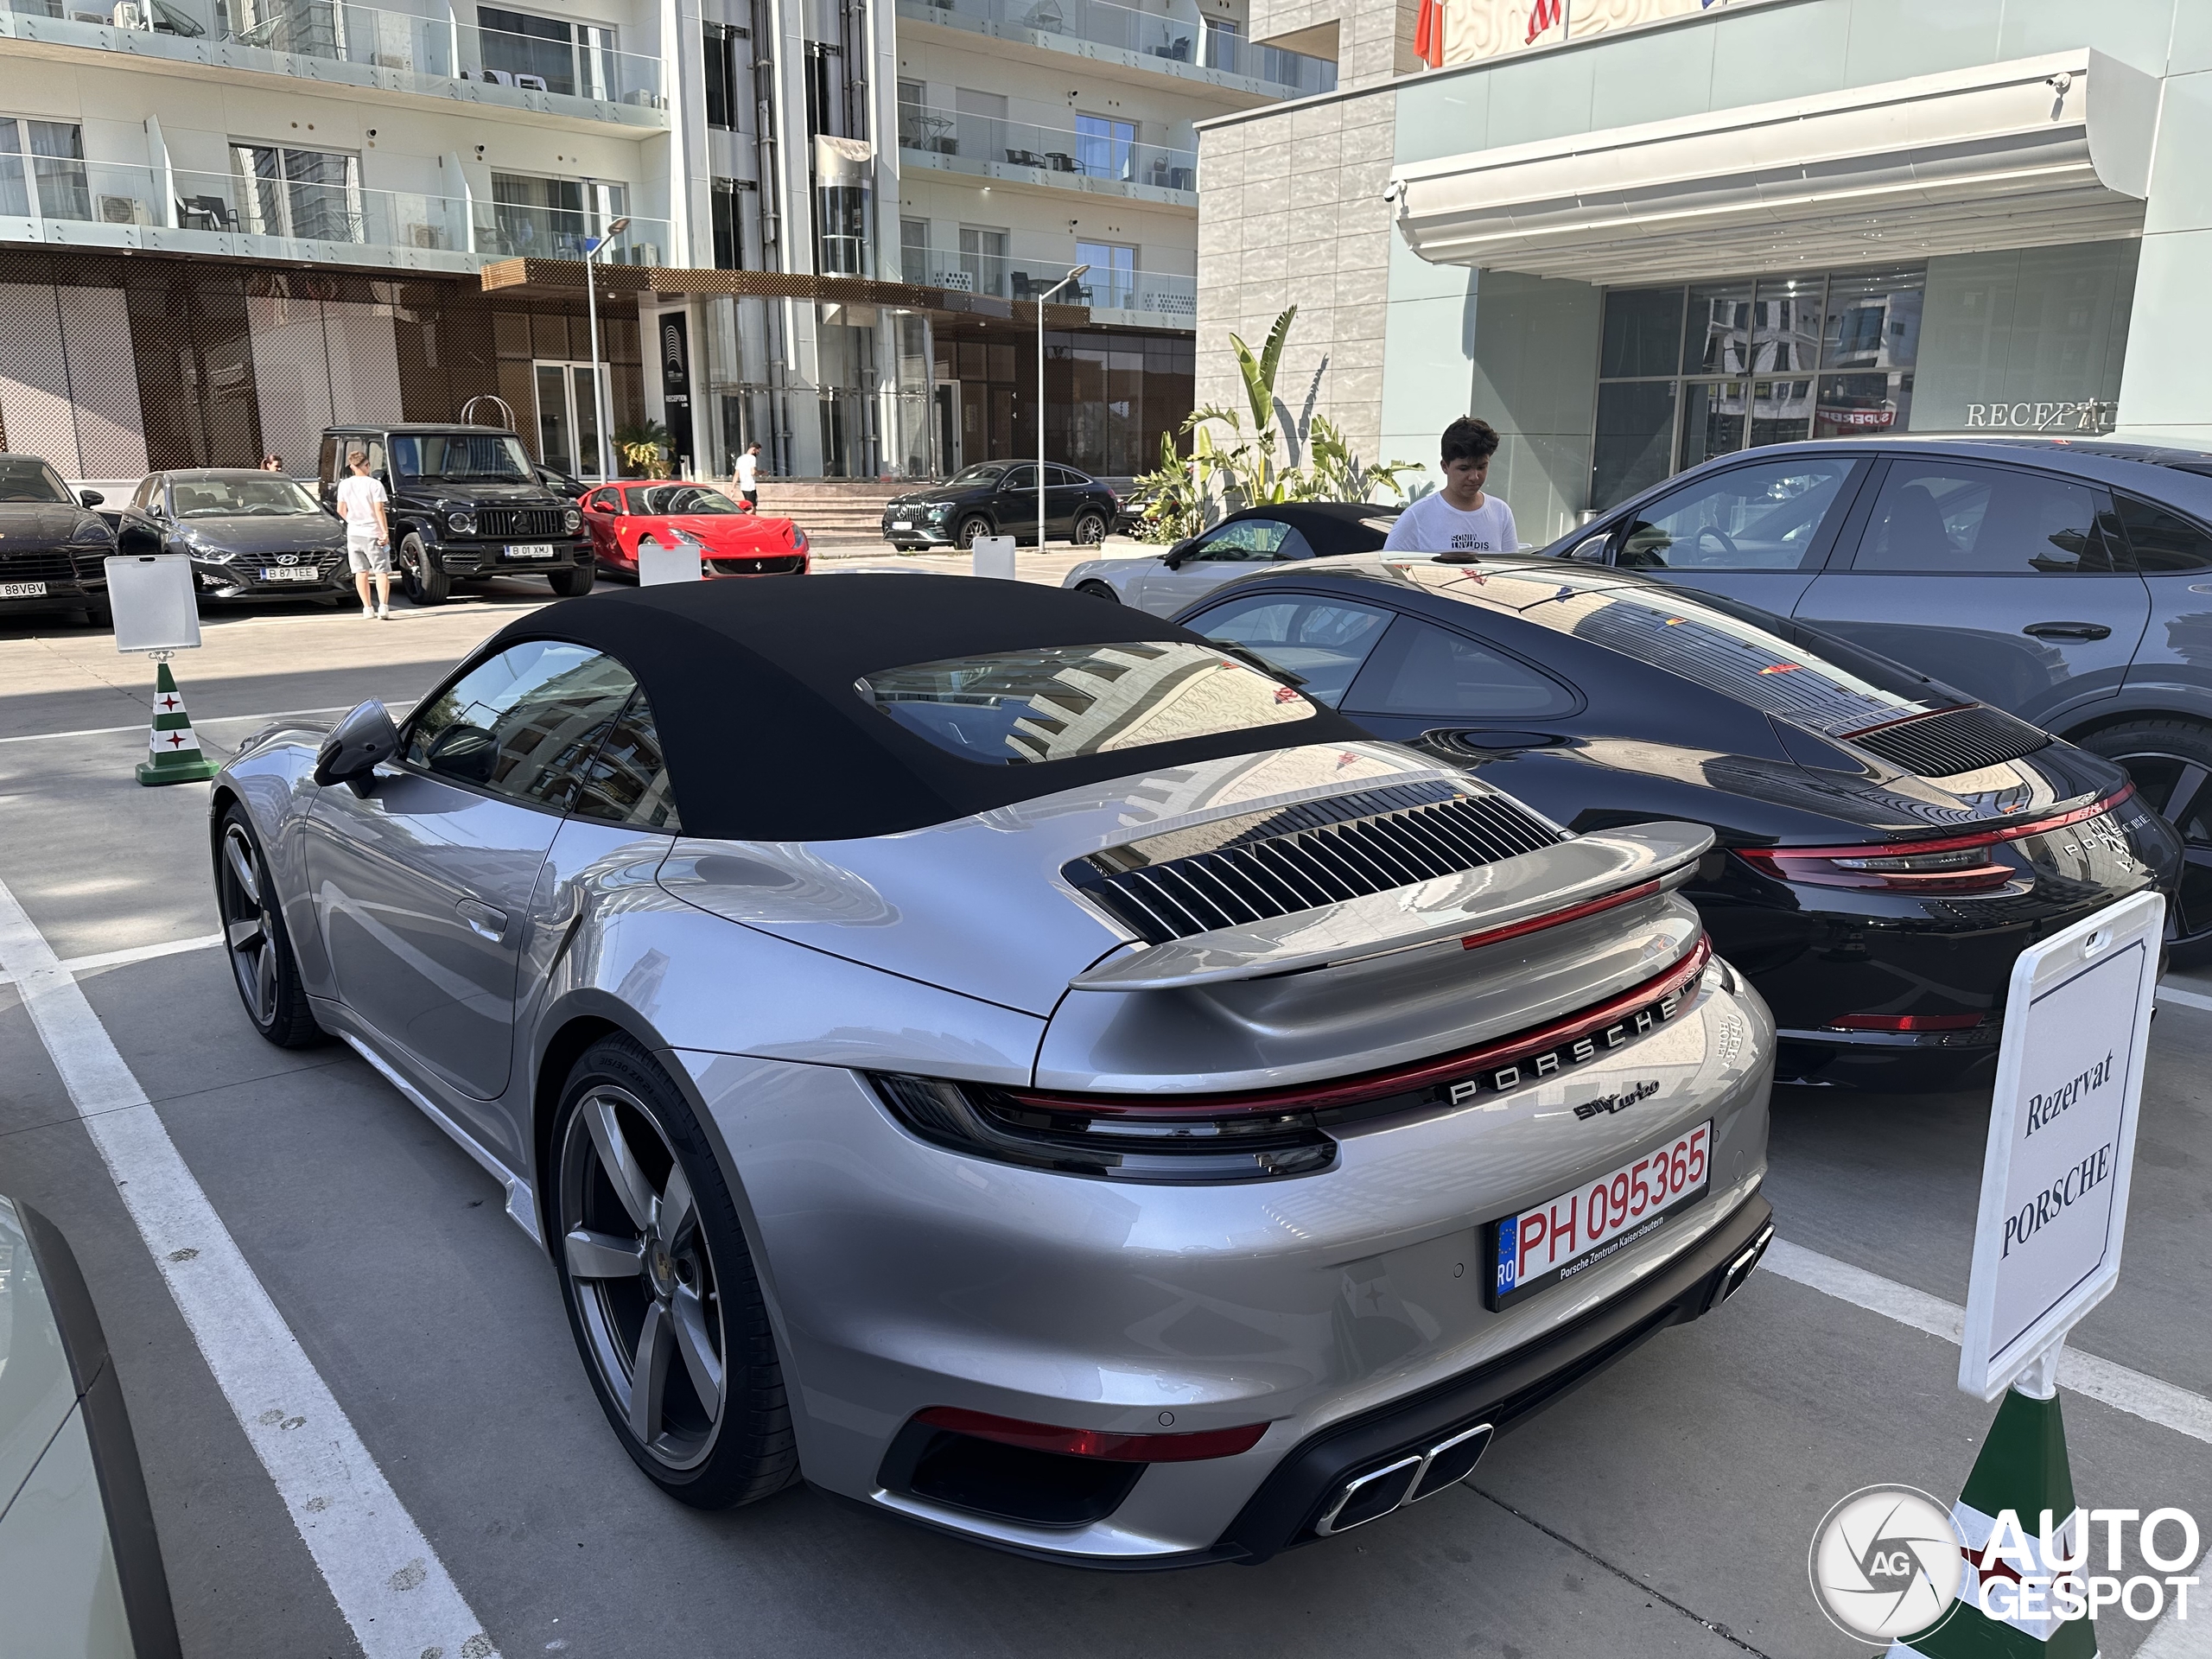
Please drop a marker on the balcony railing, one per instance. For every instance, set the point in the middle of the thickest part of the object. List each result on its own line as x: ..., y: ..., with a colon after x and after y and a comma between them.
x: 1171, y: 38
x: 1054, y: 154
x: 1157, y: 296
x: 46, y: 199
x: 401, y: 50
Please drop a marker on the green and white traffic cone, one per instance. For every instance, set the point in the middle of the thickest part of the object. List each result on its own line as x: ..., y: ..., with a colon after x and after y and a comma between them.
x: 2022, y: 1468
x: 173, y: 751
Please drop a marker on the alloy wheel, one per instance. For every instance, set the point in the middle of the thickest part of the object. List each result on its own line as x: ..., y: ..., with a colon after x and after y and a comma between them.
x: 248, y: 929
x: 638, y: 1264
x: 2174, y: 787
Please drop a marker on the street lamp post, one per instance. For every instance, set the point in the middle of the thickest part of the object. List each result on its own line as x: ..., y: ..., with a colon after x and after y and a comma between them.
x: 602, y: 406
x: 1071, y: 276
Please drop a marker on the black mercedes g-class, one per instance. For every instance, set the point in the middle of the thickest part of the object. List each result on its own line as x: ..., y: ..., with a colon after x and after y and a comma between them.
x: 467, y: 504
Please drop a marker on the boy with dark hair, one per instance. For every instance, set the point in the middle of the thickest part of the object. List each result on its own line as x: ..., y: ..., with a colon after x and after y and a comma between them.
x: 1458, y: 518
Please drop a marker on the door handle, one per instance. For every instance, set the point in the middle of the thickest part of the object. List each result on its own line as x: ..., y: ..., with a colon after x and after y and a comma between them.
x: 2068, y: 630
x: 483, y: 920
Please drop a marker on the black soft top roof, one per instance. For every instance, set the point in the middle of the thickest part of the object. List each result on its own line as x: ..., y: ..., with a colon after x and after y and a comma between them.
x: 750, y: 685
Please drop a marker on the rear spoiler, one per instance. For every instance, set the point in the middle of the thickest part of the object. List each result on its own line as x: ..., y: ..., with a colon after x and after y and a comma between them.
x: 1481, y: 907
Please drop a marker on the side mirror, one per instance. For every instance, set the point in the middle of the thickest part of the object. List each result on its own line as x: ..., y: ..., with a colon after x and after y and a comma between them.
x: 1592, y: 550
x: 603, y: 505
x: 90, y: 497
x: 1172, y: 559
x: 468, y: 753
x: 357, y: 745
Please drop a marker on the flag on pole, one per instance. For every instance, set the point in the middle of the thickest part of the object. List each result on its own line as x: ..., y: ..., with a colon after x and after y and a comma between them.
x: 1544, y: 15
x: 173, y: 748
x: 1428, y: 34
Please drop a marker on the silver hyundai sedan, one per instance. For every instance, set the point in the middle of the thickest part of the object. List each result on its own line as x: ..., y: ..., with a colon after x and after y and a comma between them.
x: 1000, y: 1058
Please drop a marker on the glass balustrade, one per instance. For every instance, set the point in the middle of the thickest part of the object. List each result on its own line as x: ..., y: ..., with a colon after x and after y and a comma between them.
x: 1051, y: 152
x: 1159, y: 296
x: 252, y: 34
x: 1171, y: 37
x: 516, y: 231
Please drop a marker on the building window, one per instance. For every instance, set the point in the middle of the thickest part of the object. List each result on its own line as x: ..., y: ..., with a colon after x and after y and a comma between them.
x: 313, y: 194
x: 1112, y: 281
x: 914, y: 126
x: 1104, y: 148
x: 553, y: 218
x: 914, y: 250
x: 983, y: 261
x: 728, y: 225
x: 722, y: 81
x: 544, y: 54
x: 42, y: 170
x: 1691, y: 372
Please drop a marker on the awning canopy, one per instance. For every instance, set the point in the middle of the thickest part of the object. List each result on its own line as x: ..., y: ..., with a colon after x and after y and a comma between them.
x: 2033, y: 152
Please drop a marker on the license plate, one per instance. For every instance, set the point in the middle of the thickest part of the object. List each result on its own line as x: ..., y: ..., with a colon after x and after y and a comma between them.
x: 902, y: 524
x: 291, y: 573
x: 23, y: 590
x: 530, y: 550
x: 1600, y: 1218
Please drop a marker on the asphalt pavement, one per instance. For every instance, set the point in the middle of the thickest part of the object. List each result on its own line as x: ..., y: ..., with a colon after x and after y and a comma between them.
x: 1664, y: 1510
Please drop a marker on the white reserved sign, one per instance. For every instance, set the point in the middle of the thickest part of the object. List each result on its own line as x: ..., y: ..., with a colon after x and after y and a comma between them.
x: 2061, y: 1139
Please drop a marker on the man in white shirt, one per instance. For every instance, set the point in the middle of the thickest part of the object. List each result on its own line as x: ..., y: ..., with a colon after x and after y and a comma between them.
x: 1458, y: 519
x: 748, y: 476
x: 361, y: 504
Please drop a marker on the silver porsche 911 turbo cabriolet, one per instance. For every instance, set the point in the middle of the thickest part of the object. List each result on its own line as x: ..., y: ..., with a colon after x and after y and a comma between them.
x: 1003, y: 1060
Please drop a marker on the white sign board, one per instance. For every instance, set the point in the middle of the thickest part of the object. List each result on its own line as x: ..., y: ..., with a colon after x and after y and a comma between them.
x: 151, y: 595
x: 2061, y: 1139
x: 658, y: 564
x: 994, y: 556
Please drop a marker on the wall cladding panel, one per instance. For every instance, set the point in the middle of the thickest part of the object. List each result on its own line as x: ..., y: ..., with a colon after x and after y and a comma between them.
x: 33, y: 384
x: 110, y: 435
x: 291, y: 375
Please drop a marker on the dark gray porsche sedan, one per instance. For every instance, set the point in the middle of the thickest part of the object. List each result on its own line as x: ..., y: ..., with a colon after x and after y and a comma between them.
x: 250, y: 535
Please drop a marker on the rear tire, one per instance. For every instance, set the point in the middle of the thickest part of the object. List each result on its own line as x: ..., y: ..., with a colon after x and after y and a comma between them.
x: 1089, y: 528
x: 2170, y: 762
x: 660, y: 1287
x: 425, y: 584
x: 1098, y: 590
x: 262, y: 964
x: 569, y: 583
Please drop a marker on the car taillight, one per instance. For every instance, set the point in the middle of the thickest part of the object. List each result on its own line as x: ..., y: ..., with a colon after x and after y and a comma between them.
x: 1950, y: 864
x: 1189, y: 1447
x: 1905, y: 1021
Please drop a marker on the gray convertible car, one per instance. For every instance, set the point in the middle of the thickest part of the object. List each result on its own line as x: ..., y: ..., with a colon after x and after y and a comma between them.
x: 1006, y: 1062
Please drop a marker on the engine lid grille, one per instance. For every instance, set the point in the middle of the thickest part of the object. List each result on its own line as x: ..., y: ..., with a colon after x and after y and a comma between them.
x: 1955, y: 740
x: 1244, y: 869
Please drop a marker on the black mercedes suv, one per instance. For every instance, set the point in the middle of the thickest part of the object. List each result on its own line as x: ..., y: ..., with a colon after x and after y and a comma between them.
x: 467, y: 504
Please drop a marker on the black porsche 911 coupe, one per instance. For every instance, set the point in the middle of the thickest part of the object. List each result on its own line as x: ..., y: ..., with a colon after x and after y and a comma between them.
x: 1886, y: 845
x: 52, y: 543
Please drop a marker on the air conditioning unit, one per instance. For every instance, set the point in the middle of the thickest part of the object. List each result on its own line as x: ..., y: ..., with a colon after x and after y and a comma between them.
x: 128, y: 15
x: 121, y: 210
x: 424, y: 235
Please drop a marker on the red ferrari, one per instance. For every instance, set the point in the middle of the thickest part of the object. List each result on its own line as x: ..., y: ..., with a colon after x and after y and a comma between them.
x: 733, y: 540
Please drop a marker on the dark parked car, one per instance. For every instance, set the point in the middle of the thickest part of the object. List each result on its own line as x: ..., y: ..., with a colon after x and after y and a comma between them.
x: 999, y: 498
x: 467, y: 504
x: 250, y: 535
x: 51, y: 543
x: 1284, y: 533
x: 1886, y: 845
x: 2067, y: 582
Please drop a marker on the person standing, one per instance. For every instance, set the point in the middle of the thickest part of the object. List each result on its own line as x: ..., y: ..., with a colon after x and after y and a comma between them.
x: 1459, y: 518
x: 272, y: 463
x: 748, y: 476
x: 362, y: 504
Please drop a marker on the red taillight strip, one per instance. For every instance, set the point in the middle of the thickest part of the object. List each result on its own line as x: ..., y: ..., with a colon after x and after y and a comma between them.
x: 1571, y: 913
x: 1948, y: 844
x: 1375, y: 1085
x: 1095, y: 1442
x: 1905, y: 1021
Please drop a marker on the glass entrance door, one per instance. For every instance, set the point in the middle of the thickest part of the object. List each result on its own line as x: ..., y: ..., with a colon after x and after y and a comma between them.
x: 568, y: 419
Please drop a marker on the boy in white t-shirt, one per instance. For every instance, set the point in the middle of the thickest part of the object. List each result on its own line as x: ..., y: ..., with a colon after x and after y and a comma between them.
x: 1458, y: 519
x: 361, y: 504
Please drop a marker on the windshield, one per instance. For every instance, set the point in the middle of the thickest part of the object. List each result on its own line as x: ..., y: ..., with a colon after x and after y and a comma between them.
x: 474, y: 457
x: 667, y: 499
x: 261, y: 496
x: 983, y: 472
x: 26, y: 478
x: 1053, y: 703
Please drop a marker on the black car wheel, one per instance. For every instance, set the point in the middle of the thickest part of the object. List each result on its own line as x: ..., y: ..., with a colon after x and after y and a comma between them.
x: 973, y: 526
x: 426, y: 584
x: 1098, y: 590
x: 2170, y: 761
x: 660, y: 1287
x: 1089, y: 528
x: 567, y: 584
x: 254, y: 933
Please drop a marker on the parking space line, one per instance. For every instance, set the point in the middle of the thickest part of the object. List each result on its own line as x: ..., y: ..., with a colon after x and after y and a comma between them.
x: 388, y: 1582
x: 2184, y: 999
x: 2079, y: 1373
x: 396, y: 704
x: 125, y: 958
